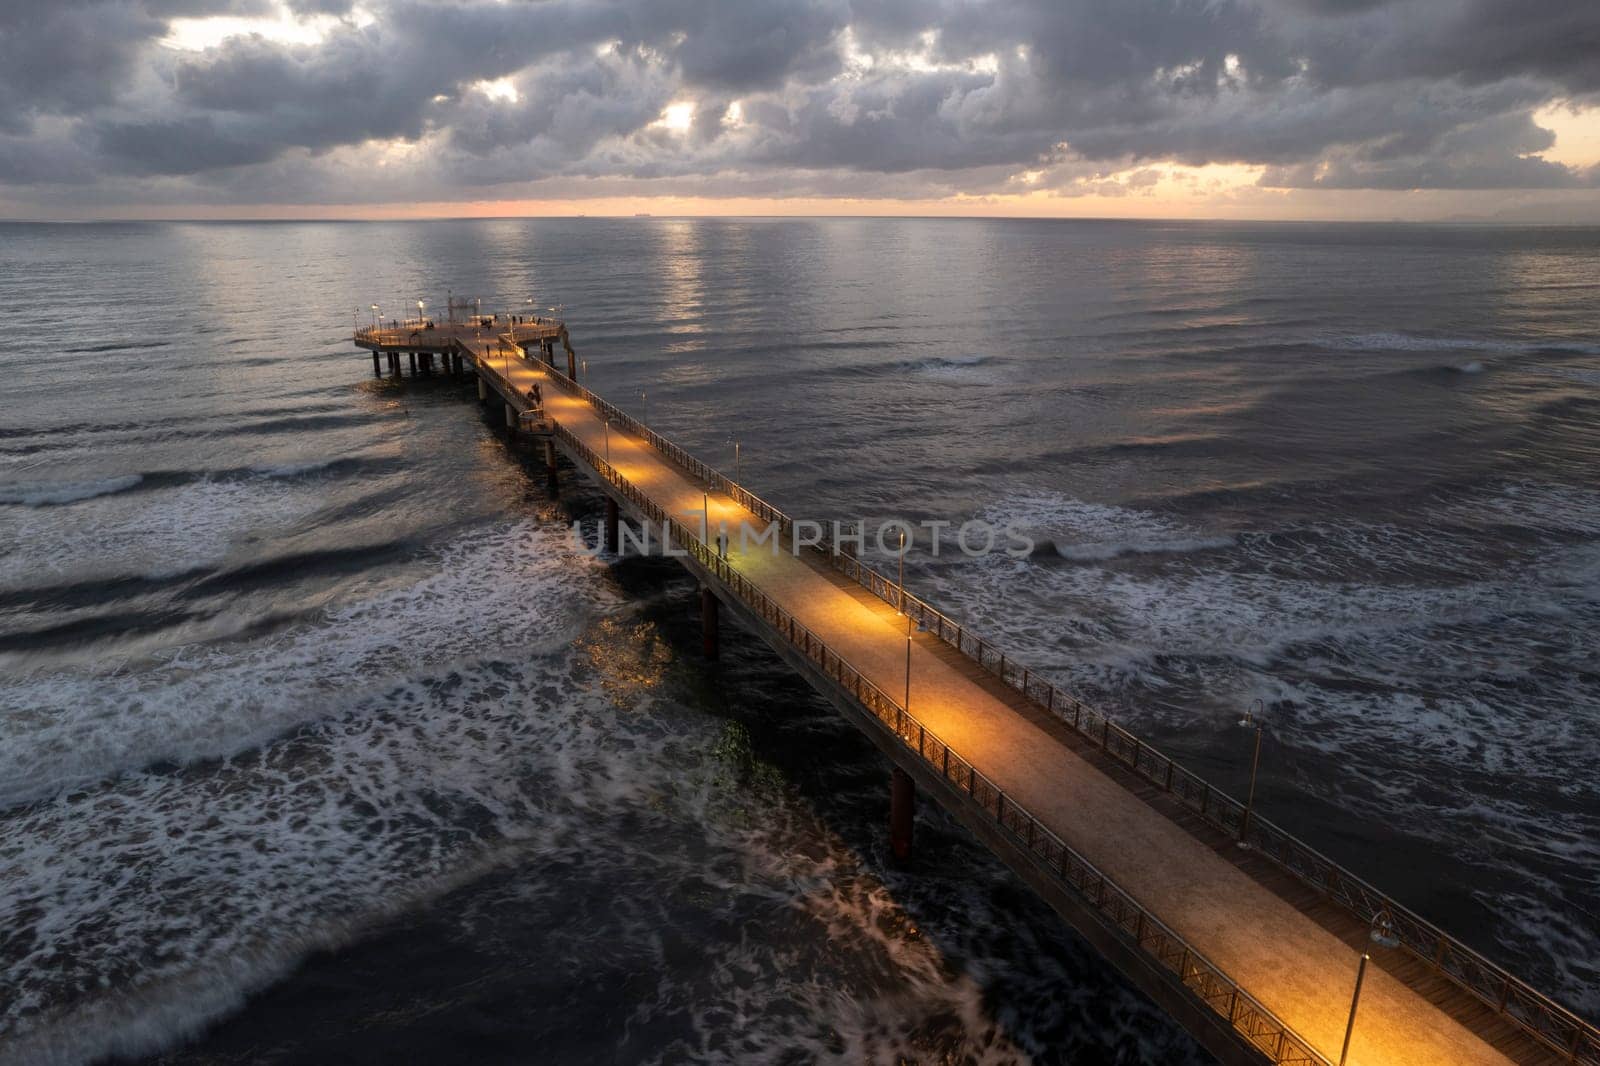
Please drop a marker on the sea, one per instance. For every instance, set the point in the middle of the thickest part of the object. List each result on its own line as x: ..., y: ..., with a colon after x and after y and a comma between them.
x: 323, y: 741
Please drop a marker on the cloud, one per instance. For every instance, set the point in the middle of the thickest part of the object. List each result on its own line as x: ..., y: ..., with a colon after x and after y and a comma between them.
x: 895, y: 97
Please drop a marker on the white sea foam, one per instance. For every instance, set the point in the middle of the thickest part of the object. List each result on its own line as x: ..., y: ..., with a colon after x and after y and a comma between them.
x: 151, y: 534
x: 1586, y: 375
x: 951, y: 368
x: 1399, y: 341
x: 1111, y: 549
x: 293, y: 469
x: 518, y: 588
x: 1419, y: 691
x: 1537, y: 505
x: 228, y: 875
x: 1085, y: 532
x: 45, y: 493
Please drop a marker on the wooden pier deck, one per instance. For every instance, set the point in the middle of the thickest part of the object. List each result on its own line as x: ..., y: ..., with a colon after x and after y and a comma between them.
x: 1255, y: 950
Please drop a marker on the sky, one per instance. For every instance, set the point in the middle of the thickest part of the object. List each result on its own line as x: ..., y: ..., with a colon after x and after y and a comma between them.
x: 1484, y: 110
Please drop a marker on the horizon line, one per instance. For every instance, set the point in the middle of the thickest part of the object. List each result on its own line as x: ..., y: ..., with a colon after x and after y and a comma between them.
x: 647, y: 216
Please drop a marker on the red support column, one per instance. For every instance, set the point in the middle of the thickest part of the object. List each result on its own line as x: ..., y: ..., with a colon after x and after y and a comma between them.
x: 708, y: 621
x: 611, y: 543
x: 902, y: 811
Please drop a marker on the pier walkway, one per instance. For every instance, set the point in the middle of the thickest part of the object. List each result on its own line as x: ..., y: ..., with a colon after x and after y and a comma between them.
x: 1255, y: 950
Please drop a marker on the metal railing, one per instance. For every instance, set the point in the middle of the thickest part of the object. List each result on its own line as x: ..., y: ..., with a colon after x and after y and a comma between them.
x: 1535, y: 1013
x: 1204, y: 980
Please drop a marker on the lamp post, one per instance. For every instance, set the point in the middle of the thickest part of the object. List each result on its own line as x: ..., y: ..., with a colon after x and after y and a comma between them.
x: 736, y: 460
x: 585, y: 371
x: 1250, y: 721
x: 644, y: 406
x: 901, y: 606
x: 376, y: 314
x: 420, y: 306
x: 907, y: 703
x: 1383, y: 935
x: 1355, y: 1000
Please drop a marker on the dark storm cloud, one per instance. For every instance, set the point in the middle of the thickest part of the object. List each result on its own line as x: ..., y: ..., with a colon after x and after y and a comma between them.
x: 812, y: 93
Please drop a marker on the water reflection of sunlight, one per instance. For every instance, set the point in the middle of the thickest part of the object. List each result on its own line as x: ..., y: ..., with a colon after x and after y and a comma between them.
x: 683, y: 298
x: 506, y: 252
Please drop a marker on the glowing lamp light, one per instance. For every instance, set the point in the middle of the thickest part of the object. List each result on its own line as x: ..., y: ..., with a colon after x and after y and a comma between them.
x: 1383, y: 931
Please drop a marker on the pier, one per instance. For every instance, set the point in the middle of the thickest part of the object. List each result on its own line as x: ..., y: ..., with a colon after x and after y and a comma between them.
x: 1266, y: 953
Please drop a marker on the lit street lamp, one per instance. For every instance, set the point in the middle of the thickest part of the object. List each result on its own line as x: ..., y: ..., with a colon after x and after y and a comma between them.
x: 1383, y: 935
x: 907, y: 703
x: 1249, y: 721
x: 1350, y: 1026
x: 901, y: 607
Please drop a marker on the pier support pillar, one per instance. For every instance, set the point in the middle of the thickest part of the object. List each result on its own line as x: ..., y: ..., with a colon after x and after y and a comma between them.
x: 708, y: 621
x: 611, y: 543
x: 902, y: 810
x: 483, y: 391
x: 377, y: 366
x: 551, y: 481
x: 413, y: 356
x: 511, y: 418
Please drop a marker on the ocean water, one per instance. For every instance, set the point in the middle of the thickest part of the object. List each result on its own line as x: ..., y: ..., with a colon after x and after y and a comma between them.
x: 320, y: 742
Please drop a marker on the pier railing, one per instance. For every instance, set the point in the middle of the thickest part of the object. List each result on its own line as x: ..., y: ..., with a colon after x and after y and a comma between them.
x: 1558, y: 1028
x: 1203, y: 979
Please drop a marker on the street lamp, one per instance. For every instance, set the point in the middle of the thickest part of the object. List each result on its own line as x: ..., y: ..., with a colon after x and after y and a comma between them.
x: 907, y: 703
x: 1350, y: 1026
x: 375, y: 315
x: 1250, y: 721
x: 644, y: 406
x: 1382, y: 934
x: 585, y: 371
x: 420, y: 306
x: 901, y: 607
